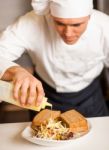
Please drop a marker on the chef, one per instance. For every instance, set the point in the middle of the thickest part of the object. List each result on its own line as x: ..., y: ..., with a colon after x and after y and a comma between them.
x: 68, y: 42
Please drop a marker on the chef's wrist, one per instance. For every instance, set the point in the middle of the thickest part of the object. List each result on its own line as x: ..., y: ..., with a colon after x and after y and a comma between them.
x: 11, y: 72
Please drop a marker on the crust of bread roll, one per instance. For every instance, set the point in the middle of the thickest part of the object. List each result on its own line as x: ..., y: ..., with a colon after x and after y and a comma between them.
x: 43, y: 116
x: 75, y: 121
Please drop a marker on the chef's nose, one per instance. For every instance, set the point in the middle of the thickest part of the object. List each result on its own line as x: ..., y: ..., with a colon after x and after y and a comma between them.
x: 68, y: 31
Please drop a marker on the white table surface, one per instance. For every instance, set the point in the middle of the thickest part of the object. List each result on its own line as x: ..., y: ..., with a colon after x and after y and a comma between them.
x: 96, y: 139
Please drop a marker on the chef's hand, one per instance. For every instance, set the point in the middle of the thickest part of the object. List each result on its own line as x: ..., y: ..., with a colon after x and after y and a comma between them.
x: 30, y: 88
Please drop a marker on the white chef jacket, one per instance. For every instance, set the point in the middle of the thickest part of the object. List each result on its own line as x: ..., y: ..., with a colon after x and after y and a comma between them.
x: 67, y: 68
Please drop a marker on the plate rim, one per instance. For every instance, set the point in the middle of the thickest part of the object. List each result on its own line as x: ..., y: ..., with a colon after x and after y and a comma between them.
x: 49, y: 140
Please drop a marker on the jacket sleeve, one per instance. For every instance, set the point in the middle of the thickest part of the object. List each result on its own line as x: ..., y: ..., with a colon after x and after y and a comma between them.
x: 12, y: 44
x: 105, y: 39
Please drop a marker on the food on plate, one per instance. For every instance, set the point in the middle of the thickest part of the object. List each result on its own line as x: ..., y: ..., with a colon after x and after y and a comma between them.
x: 44, y: 116
x: 75, y: 121
x: 51, y: 124
x: 47, y: 125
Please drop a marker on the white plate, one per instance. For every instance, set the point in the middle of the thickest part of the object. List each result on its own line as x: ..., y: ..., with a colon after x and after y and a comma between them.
x: 28, y: 135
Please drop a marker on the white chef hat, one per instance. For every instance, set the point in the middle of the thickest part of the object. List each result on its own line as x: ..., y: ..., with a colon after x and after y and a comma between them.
x: 63, y: 8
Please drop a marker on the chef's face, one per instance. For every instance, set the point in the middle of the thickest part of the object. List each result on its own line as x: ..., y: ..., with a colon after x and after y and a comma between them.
x: 70, y: 30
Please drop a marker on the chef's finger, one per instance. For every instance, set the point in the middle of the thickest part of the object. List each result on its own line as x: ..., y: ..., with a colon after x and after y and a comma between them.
x: 32, y: 94
x: 40, y: 93
x: 24, y: 92
x: 16, y: 89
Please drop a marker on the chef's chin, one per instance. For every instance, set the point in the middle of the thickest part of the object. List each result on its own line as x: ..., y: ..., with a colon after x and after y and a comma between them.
x: 70, y: 42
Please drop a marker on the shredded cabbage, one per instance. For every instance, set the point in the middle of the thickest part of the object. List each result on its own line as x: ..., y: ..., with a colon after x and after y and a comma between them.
x: 54, y: 130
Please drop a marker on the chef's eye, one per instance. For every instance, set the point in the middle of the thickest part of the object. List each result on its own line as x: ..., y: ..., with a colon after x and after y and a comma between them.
x: 59, y: 24
x: 76, y: 25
